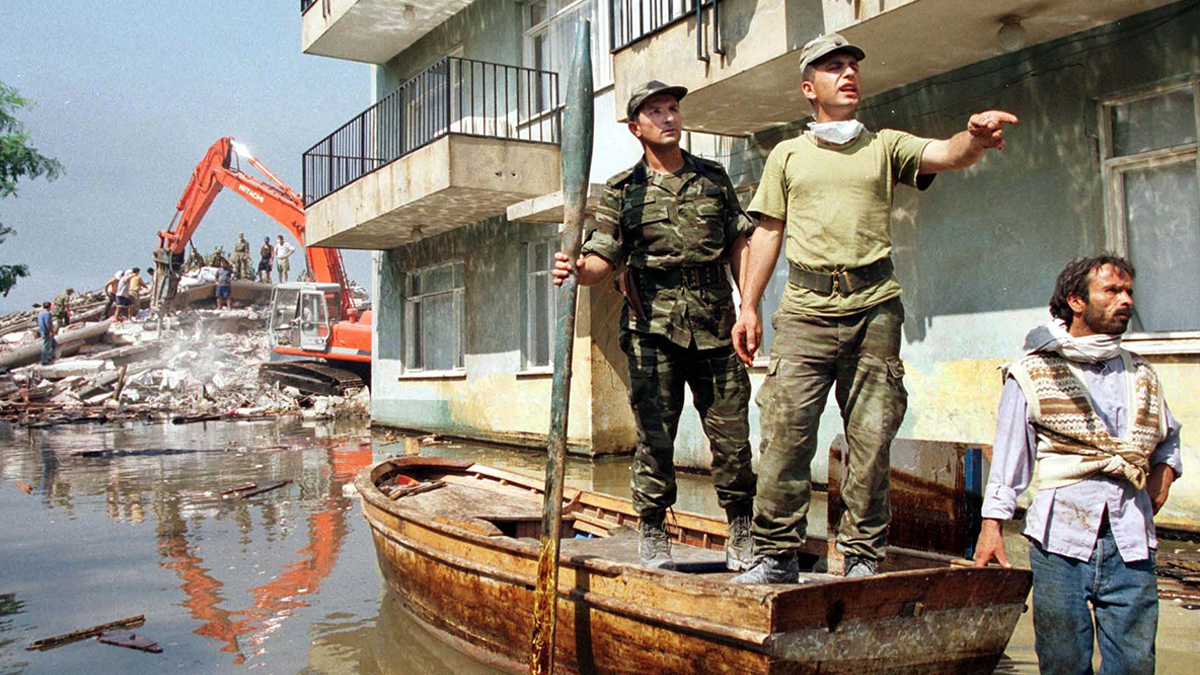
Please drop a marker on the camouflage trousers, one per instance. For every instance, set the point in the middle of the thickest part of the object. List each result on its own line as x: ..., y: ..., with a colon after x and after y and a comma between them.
x: 859, y: 357
x: 241, y: 265
x: 658, y: 372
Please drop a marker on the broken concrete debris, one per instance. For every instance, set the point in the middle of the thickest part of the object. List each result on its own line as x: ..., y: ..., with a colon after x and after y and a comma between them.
x: 194, y: 365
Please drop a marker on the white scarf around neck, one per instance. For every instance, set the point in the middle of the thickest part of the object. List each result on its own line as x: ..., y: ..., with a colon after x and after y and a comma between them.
x: 1054, y: 337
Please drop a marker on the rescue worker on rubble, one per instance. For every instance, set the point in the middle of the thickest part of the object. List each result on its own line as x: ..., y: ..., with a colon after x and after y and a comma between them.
x: 217, y: 257
x: 829, y: 194
x: 47, y: 330
x: 195, y: 260
x: 266, y: 253
x: 61, y: 310
x: 674, y: 221
x: 241, y: 258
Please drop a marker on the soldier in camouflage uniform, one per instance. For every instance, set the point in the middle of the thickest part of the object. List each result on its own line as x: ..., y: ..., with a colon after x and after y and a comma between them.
x: 674, y: 221
x: 829, y: 193
x: 61, y: 311
x: 217, y: 259
x: 241, y: 258
x: 195, y: 260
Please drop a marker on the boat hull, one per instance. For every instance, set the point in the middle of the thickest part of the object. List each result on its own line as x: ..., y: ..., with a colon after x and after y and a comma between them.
x: 474, y: 590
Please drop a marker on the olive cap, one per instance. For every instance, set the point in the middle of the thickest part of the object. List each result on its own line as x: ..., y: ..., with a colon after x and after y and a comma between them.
x: 649, y: 89
x: 827, y: 44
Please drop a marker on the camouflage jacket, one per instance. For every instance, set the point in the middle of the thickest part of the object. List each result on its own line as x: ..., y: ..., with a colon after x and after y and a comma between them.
x: 62, y: 307
x: 241, y: 249
x: 654, y: 222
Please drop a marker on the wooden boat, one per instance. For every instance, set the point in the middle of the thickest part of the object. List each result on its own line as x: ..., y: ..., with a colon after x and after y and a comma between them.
x: 457, y: 543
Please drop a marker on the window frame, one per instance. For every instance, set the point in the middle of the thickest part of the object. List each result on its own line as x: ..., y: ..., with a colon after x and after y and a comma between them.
x: 604, y: 75
x: 1112, y: 170
x: 527, y: 302
x: 412, y: 305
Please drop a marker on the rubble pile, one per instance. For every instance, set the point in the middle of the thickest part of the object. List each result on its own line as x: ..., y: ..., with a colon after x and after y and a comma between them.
x: 199, y: 365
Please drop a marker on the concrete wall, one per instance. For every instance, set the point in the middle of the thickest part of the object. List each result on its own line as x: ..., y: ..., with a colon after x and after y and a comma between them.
x: 491, y: 398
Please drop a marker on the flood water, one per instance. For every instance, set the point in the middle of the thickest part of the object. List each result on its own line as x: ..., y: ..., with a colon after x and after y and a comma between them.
x: 128, y: 520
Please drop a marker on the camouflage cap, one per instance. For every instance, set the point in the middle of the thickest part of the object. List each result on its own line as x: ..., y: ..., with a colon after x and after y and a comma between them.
x: 645, y: 91
x: 827, y: 44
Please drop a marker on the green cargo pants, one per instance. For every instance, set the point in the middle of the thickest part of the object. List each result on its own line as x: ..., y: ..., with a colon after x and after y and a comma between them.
x: 858, y: 356
x: 658, y: 371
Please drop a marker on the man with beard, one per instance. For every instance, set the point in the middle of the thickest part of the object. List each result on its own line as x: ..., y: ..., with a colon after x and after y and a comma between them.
x: 674, y: 220
x: 1086, y: 423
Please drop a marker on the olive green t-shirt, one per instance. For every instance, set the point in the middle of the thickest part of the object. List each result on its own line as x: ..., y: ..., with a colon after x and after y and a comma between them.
x: 836, y: 202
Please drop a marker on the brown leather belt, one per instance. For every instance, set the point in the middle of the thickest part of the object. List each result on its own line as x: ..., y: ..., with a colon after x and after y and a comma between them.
x: 700, y: 276
x: 843, y: 282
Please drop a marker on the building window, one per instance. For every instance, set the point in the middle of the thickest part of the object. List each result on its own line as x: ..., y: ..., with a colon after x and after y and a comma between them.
x: 434, y: 319
x: 550, y: 37
x: 1153, y: 200
x: 540, y: 315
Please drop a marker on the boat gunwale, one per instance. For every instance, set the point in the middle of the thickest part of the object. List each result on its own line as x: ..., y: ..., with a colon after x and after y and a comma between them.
x: 365, y: 482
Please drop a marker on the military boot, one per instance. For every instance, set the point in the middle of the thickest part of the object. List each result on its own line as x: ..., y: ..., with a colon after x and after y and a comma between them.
x: 654, y: 550
x: 770, y: 569
x: 857, y: 566
x: 739, y: 546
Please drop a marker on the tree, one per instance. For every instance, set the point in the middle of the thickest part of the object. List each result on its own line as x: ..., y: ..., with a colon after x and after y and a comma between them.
x: 18, y: 159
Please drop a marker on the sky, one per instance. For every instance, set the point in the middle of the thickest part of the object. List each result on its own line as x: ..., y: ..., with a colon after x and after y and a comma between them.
x: 128, y: 96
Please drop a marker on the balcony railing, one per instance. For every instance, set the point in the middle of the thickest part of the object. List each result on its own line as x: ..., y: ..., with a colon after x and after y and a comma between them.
x: 305, y: 4
x: 453, y: 96
x: 633, y: 20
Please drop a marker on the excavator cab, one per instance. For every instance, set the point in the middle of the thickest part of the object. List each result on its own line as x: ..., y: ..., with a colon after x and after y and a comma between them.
x: 303, y: 314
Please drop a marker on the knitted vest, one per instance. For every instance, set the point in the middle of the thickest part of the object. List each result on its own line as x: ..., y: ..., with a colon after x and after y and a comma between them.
x: 1073, y: 443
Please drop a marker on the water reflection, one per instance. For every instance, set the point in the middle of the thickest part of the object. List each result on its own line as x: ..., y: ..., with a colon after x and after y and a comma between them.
x: 126, y: 519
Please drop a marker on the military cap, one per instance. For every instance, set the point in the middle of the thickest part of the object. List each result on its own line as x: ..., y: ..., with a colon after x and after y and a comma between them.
x: 827, y: 44
x: 649, y: 89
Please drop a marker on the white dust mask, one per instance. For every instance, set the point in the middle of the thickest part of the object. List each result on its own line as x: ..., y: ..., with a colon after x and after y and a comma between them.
x: 837, y: 133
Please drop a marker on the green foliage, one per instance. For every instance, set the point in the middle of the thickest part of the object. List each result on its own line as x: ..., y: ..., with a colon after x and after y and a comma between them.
x: 18, y: 159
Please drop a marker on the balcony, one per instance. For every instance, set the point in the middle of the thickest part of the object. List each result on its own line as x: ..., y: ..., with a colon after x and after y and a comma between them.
x: 456, y: 144
x: 371, y: 31
x: 740, y: 64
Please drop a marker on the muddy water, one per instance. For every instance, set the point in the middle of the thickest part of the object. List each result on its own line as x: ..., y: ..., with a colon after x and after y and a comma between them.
x: 127, y: 520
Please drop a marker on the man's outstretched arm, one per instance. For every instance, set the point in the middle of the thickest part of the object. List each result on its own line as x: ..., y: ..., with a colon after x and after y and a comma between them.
x: 984, y: 130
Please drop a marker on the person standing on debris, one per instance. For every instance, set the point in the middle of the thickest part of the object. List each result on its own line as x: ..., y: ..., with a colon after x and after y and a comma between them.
x: 674, y: 220
x: 47, y: 330
x: 265, y: 253
x: 135, y: 290
x: 195, y: 260
x: 282, y: 252
x: 110, y: 293
x: 123, y: 300
x: 1092, y: 419
x: 839, y: 321
x: 241, y: 257
x: 61, y: 310
x: 224, y: 290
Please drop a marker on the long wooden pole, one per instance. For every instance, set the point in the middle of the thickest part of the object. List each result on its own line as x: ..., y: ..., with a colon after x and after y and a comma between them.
x: 576, y: 165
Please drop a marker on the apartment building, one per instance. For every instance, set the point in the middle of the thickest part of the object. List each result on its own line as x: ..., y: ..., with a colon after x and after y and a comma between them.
x: 450, y: 177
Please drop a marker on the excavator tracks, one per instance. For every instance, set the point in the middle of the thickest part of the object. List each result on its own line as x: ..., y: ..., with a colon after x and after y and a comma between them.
x: 312, y: 377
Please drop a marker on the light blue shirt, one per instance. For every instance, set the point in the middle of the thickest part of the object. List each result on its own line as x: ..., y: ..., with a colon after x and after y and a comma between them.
x: 45, y: 323
x: 1066, y: 520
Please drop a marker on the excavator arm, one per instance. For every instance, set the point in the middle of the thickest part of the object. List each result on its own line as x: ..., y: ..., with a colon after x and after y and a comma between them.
x: 219, y: 170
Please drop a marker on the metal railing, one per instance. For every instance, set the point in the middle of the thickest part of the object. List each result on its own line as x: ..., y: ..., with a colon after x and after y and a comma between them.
x: 453, y: 96
x: 305, y: 4
x: 633, y: 20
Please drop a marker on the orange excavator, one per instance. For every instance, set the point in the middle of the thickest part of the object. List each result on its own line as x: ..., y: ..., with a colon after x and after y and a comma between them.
x: 322, y: 339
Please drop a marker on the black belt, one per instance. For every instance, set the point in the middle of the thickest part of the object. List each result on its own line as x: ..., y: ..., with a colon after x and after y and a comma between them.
x: 844, y: 282
x: 700, y: 276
